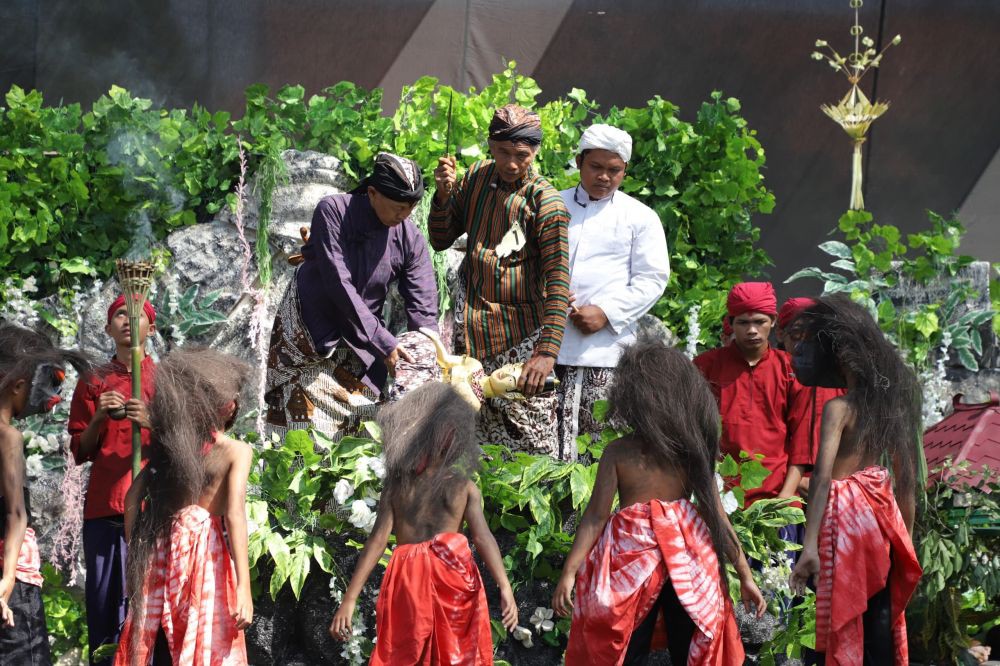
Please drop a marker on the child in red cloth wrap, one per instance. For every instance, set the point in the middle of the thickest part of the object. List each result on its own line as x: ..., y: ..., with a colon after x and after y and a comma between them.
x: 858, y: 544
x: 31, y: 374
x: 660, y: 551
x: 431, y: 608
x: 190, y: 590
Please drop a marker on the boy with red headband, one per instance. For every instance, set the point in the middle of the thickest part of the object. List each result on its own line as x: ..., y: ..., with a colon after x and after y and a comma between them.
x: 100, y: 428
x: 758, y: 396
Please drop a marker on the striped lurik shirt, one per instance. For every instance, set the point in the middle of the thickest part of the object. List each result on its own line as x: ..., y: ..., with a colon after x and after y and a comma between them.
x: 509, y: 298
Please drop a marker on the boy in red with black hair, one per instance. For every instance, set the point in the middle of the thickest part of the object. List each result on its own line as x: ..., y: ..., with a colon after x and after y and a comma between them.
x: 100, y: 428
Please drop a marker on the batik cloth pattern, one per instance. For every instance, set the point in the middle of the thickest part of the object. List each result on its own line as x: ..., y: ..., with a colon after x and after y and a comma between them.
x: 644, y: 547
x: 580, y: 387
x: 412, y: 374
x: 305, y: 390
x: 29, y: 561
x: 431, y: 608
x: 190, y: 592
x: 530, y: 425
x: 863, y: 545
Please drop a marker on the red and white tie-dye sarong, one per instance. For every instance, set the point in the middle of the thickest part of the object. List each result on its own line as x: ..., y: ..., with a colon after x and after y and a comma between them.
x: 191, y: 592
x: 862, y: 529
x: 29, y: 561
x: 431, y: 608
x: 644, y: 547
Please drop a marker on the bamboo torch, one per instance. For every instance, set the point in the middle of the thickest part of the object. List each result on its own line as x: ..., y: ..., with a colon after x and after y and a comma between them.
x: 135, y: 278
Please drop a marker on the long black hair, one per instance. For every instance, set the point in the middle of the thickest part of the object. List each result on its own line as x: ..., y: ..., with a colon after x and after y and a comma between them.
x: 22, y: 350
x: 659, y: 393
x: 886, y: 397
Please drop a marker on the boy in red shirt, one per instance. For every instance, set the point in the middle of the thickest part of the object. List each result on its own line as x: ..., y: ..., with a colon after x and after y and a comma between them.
x: 100, y: 428
x: 760, y: 401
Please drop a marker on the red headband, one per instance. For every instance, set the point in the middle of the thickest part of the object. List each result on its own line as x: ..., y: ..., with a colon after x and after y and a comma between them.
x: 120, y: 301
x: 792, y: 308
x: 752, y: 297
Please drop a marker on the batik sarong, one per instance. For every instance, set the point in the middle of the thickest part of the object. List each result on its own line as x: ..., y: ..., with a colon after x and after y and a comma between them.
x: 530, y: 425
x: 189, y: 593
x: 644, y: 547
x: 580, y: 387
x: 863, y: 547
x: 27, y: 643
x: 306, y: 390
x: 431, y: 608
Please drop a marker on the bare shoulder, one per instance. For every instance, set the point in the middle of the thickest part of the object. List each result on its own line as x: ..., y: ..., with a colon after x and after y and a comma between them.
x: 11, y: 438
x: 472, y: 494
x: 234, y: 450
x: 837, y: 409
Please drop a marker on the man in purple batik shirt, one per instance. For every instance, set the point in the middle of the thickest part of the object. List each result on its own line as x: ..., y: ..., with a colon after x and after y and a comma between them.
x: 330, y: 352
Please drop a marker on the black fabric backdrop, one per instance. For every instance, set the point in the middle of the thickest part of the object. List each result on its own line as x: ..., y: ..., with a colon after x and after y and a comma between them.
x: 927, y: 152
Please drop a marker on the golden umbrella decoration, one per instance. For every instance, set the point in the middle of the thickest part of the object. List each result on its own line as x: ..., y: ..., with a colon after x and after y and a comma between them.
x: 855, y: 112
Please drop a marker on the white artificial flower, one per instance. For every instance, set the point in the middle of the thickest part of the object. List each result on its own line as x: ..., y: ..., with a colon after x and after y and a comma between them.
x: 51, y: 444
x: 729, y: 502
x: 368, y: 464
x: 362, y: 516
x: 523, y: 634
x: 33, y: 465
x: 542, y: 619
x: 342, y: 491
x: 719, y: 482
x: 378, y: 467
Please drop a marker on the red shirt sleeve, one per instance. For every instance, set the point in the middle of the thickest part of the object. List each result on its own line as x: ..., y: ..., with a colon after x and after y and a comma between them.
x: 81, y: 411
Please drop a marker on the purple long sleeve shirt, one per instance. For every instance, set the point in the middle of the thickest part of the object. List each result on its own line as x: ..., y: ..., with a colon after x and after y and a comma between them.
x: 350, y: 260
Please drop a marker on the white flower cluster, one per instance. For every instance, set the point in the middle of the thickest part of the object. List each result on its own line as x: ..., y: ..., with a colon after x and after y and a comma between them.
x: 729, y: 501
x: 33, y: 466
x: 336, y: 593
x: 694, y: 331
x: 18, y: 306
x: 936, y: 389
x: 362, y: 515
x: 368, y: 465
x: 773, y: 578
x: 542, y: 619
x: 522, y: 634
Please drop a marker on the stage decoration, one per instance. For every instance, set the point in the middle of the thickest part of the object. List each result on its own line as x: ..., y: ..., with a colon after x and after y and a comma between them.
x: 135, y: 278
x: 855, y: 112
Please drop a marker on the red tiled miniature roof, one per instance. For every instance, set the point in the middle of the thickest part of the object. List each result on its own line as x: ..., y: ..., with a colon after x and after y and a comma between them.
x: 971, y: 434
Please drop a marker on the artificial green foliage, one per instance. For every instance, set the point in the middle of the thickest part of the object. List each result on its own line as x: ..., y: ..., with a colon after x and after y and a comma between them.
x: 78, y: 189
x: 65, y: 613
x: 958, y: 541
x: 875, y: 265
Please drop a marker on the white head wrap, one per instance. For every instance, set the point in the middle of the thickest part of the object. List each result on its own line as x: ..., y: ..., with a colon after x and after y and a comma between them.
x: 606, y: 137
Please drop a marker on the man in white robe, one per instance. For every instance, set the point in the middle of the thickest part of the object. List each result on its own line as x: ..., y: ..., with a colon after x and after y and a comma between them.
x: 618, y: 270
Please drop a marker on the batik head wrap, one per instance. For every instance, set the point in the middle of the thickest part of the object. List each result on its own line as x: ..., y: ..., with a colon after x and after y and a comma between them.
x: 394, y: 177
x: 119, y: 302
x: 792, y: 308
x: 752, y: 297
x: 606, y: 137
x: 516, y: 124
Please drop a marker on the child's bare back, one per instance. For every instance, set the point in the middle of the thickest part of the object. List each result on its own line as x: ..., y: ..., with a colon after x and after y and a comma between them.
x: 640, y: 476
x: 414, y: 520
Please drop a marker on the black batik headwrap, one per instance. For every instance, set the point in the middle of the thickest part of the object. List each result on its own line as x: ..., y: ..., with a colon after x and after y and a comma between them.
x: 395, y: 177
x: 516, y: 124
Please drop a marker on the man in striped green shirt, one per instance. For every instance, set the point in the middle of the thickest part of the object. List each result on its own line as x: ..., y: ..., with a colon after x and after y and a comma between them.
x: 516, y: 272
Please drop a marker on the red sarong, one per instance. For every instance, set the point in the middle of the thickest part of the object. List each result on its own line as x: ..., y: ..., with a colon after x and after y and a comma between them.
x: 643, y: 547
x: 29, y: 561
x: 191, y: 592
x: 862, y: 529
x: 431, y: 608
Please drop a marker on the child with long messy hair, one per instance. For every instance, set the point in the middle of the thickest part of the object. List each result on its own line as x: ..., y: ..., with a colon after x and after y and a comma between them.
x: 190, y: 589
x: 660, y: 552
x: 31, y: 374
x: 431, y: 607
x: 858, y: 543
